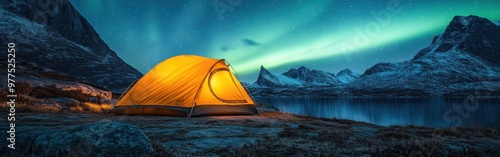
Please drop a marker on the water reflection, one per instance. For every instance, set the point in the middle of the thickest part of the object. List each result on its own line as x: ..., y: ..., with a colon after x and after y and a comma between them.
x: 431, y: 112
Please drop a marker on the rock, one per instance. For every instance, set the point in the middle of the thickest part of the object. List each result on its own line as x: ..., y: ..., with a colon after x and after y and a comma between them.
x: 68, y: 86
x: 101, y: 139
x: 265, y: 107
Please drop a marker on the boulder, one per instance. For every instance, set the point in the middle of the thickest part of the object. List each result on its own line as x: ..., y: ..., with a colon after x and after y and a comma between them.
x: 100, y: 139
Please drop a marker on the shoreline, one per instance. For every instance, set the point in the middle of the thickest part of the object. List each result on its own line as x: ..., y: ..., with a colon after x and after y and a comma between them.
x: 384, y: 97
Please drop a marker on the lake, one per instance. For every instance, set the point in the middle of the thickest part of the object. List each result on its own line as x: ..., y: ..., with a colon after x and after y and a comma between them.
x: 430, y: 112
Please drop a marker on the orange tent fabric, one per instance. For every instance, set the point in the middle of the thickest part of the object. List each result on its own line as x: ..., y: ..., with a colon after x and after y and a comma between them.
x: 187, y: 85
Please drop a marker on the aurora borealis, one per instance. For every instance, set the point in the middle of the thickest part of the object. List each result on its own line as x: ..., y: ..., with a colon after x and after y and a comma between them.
x: 328, y: 35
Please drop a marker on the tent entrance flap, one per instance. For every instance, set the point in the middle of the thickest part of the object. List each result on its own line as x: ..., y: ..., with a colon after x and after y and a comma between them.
x: 223, y: 87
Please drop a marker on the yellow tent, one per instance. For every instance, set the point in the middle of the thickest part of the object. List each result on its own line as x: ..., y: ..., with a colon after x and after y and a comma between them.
x: 187, y: 85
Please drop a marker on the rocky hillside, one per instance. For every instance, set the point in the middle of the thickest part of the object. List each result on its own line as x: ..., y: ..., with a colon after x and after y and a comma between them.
x: 52, y: 37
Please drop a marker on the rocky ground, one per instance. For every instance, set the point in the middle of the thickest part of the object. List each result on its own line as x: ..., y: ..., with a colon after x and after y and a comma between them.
x: 267, y: 134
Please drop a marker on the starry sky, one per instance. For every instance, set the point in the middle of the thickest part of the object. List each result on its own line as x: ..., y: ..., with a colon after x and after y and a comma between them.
x: 328, y: 35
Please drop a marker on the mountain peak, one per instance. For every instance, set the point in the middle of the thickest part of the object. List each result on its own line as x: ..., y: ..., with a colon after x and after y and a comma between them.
x: 466, y: 24
x: 465, y: 20
x: 345, y: 71
x: 267, y: 79
x: 468, y: 34
x: 264, y: 71
x: 303, y: 68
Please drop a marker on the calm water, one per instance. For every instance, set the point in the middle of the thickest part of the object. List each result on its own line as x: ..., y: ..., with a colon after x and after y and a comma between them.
x: 431, y: 112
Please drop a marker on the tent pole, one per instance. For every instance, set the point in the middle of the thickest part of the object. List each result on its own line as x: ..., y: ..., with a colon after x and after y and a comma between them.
x: 244, y: 86
x: 190, y: 112
x: 119, y: 98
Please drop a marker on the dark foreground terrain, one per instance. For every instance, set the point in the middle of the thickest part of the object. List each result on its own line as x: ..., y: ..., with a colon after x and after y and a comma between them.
x: 267, y: 134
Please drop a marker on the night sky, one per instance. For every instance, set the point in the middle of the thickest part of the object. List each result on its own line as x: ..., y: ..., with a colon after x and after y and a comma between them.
x: 328, y: 35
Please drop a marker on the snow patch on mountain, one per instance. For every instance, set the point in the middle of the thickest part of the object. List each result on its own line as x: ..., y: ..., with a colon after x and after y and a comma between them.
x: 347, y: 76
x: 464, y: 20
x: 312, y: 77
x: 284, y: 80
x: 86, y: 49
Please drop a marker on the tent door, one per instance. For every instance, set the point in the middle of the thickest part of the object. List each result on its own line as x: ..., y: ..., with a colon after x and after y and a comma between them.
x: 223, y: 86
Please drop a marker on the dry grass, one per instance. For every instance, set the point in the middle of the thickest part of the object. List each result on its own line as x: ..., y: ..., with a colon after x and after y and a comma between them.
x: 86, y: 107
x: 96, y: 108
x: 39, y: 100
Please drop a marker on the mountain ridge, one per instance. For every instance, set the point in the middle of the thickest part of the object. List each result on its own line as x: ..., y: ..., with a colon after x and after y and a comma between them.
x: 302, y: 77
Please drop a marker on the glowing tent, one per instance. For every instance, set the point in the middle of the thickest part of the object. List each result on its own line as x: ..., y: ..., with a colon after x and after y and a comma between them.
x: 187, y: 85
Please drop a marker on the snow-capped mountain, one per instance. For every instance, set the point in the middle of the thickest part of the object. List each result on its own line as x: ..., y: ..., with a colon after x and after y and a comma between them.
x: 52, y: 35
x: 302, y: 77
x: 464, y: 60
